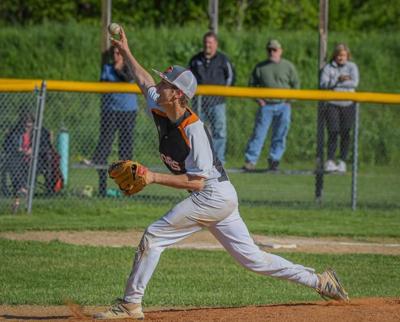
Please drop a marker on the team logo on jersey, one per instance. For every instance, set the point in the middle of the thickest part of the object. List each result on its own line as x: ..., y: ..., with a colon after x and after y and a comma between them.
x: 174, y: 165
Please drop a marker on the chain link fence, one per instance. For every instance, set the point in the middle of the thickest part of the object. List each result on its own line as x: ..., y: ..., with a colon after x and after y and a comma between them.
x: 80, y: 137
x: 17, y: 111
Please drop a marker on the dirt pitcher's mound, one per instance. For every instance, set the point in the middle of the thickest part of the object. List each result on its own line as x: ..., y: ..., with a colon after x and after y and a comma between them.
x: 370, y: 309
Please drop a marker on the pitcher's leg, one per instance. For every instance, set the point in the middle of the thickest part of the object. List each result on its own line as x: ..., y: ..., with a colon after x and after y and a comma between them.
x: 164, y: 232
x: 233, y: 234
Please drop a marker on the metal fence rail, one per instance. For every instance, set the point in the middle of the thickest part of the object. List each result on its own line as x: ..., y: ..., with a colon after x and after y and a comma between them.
x: 85, y: 139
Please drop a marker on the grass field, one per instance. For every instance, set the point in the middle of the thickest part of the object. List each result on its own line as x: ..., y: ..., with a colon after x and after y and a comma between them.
x: 270, y: 204
x: 110, y: 215
x: 49, y: 273
x: 378, y: 187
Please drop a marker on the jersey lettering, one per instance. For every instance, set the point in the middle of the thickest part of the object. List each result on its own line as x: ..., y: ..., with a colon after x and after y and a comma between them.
x: 172, y: 163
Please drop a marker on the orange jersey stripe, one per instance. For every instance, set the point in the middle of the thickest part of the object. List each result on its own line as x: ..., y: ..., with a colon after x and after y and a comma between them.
x: 187, y: 121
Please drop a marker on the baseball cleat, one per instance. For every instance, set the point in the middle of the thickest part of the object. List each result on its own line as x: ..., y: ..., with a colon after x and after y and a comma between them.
x: 329, y: 286
x: 121, y: 310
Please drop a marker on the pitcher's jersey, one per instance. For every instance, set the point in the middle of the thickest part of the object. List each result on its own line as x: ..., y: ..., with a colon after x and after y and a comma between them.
x: 185, y: 146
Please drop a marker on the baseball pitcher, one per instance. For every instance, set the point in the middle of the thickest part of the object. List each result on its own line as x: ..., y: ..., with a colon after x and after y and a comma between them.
x: 186, y: 150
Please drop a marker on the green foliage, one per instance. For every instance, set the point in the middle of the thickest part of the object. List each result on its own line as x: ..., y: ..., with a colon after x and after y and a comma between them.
x: 71, y: 52
x: 344, y: 15
x: 275, y: 15
x: 49, y: 273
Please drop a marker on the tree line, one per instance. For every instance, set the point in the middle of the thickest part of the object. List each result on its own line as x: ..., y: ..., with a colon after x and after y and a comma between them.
x: 344, y: 15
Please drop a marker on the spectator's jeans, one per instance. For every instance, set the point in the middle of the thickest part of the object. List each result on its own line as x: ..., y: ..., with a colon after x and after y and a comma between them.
x: 216, y: 117
x: 110, y: 123
x: 279, y: 116
x: 339, y: 121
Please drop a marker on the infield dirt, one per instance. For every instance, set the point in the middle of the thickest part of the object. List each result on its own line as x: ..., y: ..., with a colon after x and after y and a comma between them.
x: 204, y: 240
x: 366, y: 309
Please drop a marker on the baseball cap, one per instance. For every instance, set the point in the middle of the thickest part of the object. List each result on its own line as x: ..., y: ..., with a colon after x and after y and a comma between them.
x: 273, y: 43
x: 181, y: 78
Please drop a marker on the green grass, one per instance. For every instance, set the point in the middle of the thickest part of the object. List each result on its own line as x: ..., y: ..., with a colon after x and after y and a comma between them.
x: 49, y: 273
x: 270, y: 204
x: 127, y: 214
x: 378, y: 187
x: 55, y: 45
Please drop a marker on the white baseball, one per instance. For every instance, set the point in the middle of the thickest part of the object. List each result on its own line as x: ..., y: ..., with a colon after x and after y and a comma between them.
x: 114, y: 28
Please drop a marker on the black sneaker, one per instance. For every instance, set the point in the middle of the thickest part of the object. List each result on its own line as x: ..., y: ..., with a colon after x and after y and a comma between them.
x: 273, y: 165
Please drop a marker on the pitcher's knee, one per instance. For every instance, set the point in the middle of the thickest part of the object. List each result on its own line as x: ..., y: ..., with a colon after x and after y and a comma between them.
x: 154, y: 238
x: 144, y: 243
x: 148, y: 240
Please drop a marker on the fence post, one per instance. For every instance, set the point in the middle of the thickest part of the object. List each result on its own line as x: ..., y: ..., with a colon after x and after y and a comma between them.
x: 355, y: 158
x: 36, y: 145
x: 323, y: 43
x: 213, y: 15
x: 106, y: 9
x: 319, y: 171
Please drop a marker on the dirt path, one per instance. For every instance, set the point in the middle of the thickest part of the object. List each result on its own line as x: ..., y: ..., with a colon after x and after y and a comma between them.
x: 369, y: 309
x: 204, y: 240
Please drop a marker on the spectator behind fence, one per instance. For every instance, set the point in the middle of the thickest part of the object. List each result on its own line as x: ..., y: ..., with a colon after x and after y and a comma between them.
x: 212, y: 67
x: 118, y: 113
x: 339, y: 75
x: 275, y: 72
x: 17, y: 156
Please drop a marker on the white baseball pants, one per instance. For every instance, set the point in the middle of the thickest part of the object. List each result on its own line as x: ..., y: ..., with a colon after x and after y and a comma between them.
x: 216, y: 208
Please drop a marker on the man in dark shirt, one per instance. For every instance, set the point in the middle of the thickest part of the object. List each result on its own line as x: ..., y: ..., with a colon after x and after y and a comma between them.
x: 213, y: 68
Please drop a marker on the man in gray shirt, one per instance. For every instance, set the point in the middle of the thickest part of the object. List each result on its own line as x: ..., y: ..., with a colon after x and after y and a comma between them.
x: 275, y: 72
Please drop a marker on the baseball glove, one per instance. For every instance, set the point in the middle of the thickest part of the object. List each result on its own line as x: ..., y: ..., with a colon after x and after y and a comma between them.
x: 130, y: 176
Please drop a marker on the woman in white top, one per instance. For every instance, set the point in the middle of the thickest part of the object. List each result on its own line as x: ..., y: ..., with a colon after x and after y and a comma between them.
x: 339, y: 75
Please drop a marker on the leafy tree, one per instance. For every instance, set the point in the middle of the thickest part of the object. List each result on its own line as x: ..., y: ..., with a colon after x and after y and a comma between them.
x: 345, y: 15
